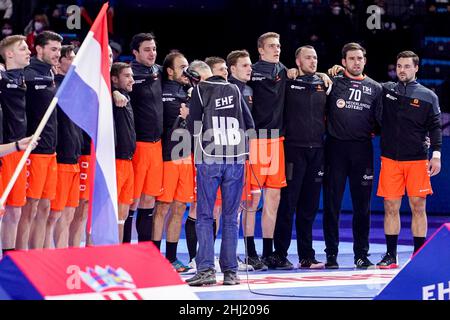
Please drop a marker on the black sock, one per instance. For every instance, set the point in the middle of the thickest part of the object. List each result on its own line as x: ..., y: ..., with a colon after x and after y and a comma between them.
x: 157, y: 243
x: 4, y: 251
x: 267, y: 247
x: 171, y: 251
x: 418, y: 242
x: 145, y: 224
x: 391, y: 244
x: 127, y: 228
x: 138, y: 220
x: 191, y: 237
x: 251, y: 250
x: 214, y: 229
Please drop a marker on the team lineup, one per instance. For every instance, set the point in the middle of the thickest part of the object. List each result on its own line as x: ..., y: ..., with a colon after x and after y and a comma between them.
x: 253, y: 131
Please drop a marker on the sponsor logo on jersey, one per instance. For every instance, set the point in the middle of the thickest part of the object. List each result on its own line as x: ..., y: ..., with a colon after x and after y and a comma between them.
x: 297, y: 87
x: 415, y: 103
x: 367, y: 90
x: 258, y: 78
x: 340, y: 103
x: 390, y: 97
x: 40, y: 87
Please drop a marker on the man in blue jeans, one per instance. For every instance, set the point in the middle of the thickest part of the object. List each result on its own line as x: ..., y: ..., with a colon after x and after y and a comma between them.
x: 218, y: 118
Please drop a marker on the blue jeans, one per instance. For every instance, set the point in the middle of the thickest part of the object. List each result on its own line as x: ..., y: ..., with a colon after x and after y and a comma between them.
x: 230, y: 178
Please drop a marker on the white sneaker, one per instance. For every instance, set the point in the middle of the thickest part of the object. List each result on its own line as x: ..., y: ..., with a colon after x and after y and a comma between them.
x: 243, y: 267
x: 193, y: 267
x: 217, y: 264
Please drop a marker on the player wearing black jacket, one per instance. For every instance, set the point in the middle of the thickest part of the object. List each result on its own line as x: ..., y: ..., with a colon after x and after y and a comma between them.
x: 178, y: 169
x: 240, y: 67
x: 266, y: 151
x: 353, y: 105
x: 304, y: 121
x: 12, y: 98
x: 125, y: 140
x: 410, y: 114
x: 42, y: 167
x: 148, y: 114
x: 68, y: 182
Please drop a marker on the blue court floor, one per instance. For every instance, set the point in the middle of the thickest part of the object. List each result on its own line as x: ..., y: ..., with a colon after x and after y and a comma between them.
x: 345, y: 283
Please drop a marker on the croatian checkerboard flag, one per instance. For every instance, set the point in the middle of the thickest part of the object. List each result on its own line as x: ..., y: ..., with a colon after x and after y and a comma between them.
x: 85, y: 96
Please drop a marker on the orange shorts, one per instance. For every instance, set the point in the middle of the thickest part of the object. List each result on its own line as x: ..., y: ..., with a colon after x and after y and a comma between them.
x: 18, y: 195
x: 267, y: 161
x: 84, y: 162
x: 395, y: 176
x: 67, y: 187
x: 125, y: 181
x: 178, y: 181
x: 42, y: 176
x: 247, y: 190
x: 148, y: 169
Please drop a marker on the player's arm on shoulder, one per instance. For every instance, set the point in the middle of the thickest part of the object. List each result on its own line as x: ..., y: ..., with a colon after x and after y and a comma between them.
x: 326, y: 80
x: 292, y: 73
x: 335, y: 70
x: 119, y: 99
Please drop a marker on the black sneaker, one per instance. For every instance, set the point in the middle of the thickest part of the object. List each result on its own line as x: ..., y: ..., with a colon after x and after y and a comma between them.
x: 202, y: 278
x: 363, y: 263
x: 274, y: 261
x: 310, y: 263
x: 256, y: 263
x: 388, y: 261
x: 332, y: 262
x: 230, y: 278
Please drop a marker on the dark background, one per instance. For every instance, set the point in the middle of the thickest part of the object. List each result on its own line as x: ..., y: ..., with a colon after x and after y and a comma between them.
x: 204, y: 28
x: 201, y: 28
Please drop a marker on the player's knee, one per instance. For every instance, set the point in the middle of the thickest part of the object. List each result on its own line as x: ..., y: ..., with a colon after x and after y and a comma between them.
x: 273, y: 197
x: 391, y: 208
x: 162, y: 208
x: 52, y: 218
x: 418, y: 210
x: 147, y: 201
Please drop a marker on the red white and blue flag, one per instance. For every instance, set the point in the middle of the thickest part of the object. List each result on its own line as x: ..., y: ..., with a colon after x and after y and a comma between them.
x: 85, y: 96
x: 92, y: 273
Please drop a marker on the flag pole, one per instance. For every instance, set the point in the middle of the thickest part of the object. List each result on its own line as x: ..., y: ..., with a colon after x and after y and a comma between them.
x: 27, y: 152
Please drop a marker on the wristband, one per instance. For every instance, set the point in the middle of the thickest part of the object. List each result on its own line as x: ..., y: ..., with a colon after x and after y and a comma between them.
x: 436, y: 154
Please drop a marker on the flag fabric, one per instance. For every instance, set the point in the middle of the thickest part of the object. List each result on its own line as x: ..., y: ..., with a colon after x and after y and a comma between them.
x: 85, y: 96
x: 93, y: 273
